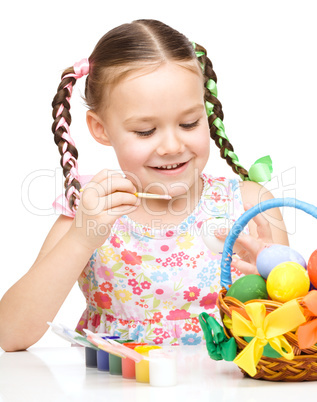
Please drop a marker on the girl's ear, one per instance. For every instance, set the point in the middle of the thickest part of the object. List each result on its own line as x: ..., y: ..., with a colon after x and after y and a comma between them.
x: 97, y: 128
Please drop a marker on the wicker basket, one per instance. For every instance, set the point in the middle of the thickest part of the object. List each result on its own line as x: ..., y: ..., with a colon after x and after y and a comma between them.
x: 303, y: 367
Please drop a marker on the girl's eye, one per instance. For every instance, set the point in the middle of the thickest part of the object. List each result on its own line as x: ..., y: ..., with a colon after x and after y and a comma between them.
x: 190, y: 125
x: 145, y: 133
x: 150, y: 132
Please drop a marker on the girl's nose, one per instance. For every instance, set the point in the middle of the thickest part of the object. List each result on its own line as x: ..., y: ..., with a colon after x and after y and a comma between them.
x: 170, y: 143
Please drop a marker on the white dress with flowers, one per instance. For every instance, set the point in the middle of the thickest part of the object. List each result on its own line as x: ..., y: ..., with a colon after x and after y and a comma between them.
x: 150, y: 285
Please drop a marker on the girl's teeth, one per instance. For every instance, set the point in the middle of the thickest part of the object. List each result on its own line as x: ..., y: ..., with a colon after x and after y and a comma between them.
x: 168, y: 166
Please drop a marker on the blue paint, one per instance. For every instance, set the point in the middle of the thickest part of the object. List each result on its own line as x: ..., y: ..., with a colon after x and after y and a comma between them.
x: 103, y: 356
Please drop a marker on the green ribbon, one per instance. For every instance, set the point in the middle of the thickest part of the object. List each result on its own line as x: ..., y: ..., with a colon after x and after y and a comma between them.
x: 209, y: 108
x: 261, y: 170
x: 218, y: 345
x: 199, y: 54
x: 221, y: 130
x: 212, y: 86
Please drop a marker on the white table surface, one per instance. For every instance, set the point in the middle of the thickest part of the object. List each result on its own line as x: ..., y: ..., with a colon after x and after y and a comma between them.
x: 59, y: 374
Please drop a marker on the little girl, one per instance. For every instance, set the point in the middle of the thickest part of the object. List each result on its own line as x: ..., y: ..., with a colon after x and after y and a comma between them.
x: 140, y: 262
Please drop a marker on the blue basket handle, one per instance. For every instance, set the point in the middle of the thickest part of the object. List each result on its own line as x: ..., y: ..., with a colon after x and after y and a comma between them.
x: 237, y: 228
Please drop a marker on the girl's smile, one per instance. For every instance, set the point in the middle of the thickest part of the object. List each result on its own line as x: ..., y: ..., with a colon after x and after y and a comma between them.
x: 157, y: 123
x: 172, y: 169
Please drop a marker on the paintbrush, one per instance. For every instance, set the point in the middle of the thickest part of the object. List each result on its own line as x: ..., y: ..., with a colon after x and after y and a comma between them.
x: 153, y: 196
x: 148, y: 195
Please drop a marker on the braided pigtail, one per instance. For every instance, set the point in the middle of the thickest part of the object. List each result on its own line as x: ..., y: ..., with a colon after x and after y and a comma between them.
x: 261, y: 169
x: 61, y: 131
x: 215, y: 114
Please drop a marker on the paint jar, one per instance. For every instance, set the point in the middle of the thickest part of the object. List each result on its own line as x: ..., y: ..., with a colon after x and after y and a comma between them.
x: 163, y: 367
x: 91, y: 354
x: 91, y: 357
x: 103, y: 356
x: 115, y: 362
x: 128, y: 365
x: 142, y: 368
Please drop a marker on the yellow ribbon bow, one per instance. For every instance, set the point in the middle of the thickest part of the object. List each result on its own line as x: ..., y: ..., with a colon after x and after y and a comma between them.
x: 265, y: 329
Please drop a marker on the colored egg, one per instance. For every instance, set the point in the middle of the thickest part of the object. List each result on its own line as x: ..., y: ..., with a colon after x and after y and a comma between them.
x: 274, y: 255
x: 248, y: 287
x: 287, y: 281
x: 207, y: 233
x: 312, y: 268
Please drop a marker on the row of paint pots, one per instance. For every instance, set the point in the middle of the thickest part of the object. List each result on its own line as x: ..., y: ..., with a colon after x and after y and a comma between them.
x: 158, y: 368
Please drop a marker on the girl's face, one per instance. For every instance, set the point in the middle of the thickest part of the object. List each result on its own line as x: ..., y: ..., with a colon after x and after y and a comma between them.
x: 158, y: 127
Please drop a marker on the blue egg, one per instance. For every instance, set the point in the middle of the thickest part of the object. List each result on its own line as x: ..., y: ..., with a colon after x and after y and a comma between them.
x: 273, y: 255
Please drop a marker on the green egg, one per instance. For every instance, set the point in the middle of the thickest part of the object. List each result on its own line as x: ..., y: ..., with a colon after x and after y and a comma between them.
x: 248, y: 287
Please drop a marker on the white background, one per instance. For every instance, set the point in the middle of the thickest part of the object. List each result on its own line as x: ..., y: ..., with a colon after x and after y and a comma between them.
x: 264, y: 53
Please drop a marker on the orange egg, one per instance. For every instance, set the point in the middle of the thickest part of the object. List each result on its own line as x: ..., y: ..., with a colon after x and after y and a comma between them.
x: 312, y: 268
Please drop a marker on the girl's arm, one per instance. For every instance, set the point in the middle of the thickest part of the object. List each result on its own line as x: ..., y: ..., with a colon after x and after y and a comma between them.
x: 38, y: 295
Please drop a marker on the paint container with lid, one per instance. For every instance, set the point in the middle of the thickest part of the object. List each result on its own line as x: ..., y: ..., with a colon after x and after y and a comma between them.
x: 163, y: 367
x: 91, y: 357
x: 128, y: 365
x: 91, y: 353
x: 103, y: 356
x: 142, y: 368
x: 115, y: 362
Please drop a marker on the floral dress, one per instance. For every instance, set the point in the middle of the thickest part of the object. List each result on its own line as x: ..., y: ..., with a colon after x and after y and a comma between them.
x: 150, y: 285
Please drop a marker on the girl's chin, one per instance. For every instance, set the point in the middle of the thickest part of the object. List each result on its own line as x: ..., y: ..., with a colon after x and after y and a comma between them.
x: 178, y: 192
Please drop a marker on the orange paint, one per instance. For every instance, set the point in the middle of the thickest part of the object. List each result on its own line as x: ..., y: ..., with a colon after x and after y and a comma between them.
x: 128, y: 365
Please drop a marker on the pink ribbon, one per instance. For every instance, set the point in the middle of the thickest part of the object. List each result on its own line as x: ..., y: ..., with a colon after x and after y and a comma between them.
x: 68, y: 157
x: 61, y: 203
x: 66, y: 136
x: 81, y: 68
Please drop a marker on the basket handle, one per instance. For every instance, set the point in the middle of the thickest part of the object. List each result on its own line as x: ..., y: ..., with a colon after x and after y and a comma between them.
x: 237, y: 228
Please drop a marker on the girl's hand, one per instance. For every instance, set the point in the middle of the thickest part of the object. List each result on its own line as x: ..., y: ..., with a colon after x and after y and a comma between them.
x: 248, y: 247
x: 103, y: 200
